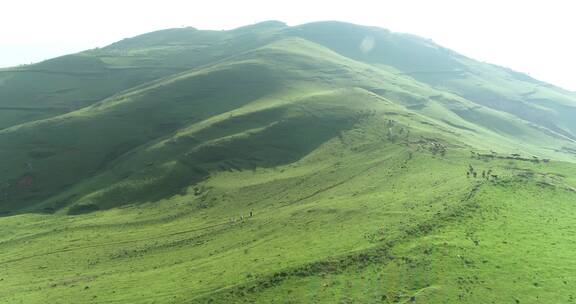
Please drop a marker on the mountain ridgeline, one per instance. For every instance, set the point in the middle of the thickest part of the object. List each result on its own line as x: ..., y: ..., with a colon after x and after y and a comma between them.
x: 337, y: 162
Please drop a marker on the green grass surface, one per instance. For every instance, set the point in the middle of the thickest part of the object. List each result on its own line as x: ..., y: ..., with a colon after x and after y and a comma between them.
x: 126, y: 171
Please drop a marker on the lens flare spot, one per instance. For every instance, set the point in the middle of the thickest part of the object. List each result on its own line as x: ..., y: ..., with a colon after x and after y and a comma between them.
x: 367, y: 44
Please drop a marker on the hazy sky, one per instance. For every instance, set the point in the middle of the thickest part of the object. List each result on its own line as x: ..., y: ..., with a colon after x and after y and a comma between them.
x: 532, y: 36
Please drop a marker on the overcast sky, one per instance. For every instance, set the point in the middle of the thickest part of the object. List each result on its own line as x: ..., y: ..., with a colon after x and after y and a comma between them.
x: 532, y: 36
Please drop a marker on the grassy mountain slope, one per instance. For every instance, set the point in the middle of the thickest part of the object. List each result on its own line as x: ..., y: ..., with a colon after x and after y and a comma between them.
x: 71, y: 82
x: 266, y: 84
x: 324, y: 229
x: 492, y: 86
x: 351, y: 154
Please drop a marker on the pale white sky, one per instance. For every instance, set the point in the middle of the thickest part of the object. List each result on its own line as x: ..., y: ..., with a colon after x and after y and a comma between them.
x: 532, y: 36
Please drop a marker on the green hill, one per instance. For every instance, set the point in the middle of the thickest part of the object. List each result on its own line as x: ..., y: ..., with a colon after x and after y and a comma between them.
x: 322, y: 163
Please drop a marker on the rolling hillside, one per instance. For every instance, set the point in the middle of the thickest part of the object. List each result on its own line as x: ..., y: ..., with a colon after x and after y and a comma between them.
x: 321, y: 163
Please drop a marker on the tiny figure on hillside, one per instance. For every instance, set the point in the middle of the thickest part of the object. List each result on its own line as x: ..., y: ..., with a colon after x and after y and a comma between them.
x: 251, y: 213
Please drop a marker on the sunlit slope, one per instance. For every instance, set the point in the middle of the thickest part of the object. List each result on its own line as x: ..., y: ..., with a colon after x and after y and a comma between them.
x: 508, y: 241
x: 366, y: 217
